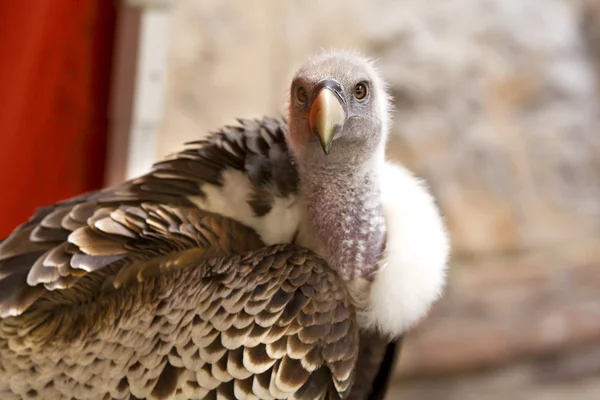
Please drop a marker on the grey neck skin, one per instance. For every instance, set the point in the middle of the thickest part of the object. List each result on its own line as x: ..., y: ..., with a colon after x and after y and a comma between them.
x: 345, y: 212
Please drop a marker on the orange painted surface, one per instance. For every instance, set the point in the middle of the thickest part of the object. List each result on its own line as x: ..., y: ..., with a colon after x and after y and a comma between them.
x: 55, y: 63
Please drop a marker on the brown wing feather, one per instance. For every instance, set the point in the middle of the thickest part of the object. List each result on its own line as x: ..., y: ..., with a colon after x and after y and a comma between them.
x: 376, y: 361
x: 64, y: 241
x: 200, y: 323
x: 386, y: 369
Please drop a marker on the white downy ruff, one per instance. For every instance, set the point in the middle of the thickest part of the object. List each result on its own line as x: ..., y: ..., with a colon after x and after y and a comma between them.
x: 412, y: 273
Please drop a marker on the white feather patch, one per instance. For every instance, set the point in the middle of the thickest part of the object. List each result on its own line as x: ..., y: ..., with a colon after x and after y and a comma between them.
x: 231, y: 200
x: 412, y: 272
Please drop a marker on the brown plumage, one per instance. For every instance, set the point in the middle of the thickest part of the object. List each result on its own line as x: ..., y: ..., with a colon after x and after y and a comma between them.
x: 135, y: 292
x: 38, y: 253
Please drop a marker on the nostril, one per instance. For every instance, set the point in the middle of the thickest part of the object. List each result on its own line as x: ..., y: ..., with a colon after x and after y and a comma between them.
x: 337, y: 129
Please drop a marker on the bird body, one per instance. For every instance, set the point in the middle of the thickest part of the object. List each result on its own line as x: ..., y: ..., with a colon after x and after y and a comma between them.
x: 249, y: 265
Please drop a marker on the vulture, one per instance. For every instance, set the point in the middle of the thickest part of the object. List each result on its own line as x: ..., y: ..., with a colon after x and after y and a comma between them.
x: 275, y: 259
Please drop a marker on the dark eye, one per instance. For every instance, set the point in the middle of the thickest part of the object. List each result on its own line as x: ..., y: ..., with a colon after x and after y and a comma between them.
x: 301, y: 94
x: 360, y: 90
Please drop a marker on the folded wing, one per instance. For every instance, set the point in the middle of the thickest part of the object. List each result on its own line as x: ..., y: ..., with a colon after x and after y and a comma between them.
x: 199, y: 316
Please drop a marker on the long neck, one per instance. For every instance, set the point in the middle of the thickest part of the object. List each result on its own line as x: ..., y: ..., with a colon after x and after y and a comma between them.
x: 345, y: 212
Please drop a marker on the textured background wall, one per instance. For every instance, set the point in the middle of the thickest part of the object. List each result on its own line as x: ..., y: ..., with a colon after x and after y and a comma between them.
x: 497, y: 107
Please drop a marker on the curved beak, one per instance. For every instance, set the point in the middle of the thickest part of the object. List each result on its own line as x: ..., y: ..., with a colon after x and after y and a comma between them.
x: 327, y: 112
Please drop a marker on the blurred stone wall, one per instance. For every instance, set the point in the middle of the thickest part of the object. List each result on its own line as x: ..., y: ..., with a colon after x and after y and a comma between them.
x: 496, y: 106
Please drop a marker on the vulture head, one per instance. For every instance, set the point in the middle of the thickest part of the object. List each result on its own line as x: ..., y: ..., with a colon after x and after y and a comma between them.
x: 338, y: 111
x: 371, y: 220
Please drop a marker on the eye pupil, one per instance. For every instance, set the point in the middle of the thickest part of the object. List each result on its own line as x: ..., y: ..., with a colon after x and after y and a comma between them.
x: 360, y: 91
x: 301, y: 95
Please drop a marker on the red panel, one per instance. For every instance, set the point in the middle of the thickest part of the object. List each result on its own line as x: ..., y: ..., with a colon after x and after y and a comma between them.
x: 55, y: 62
